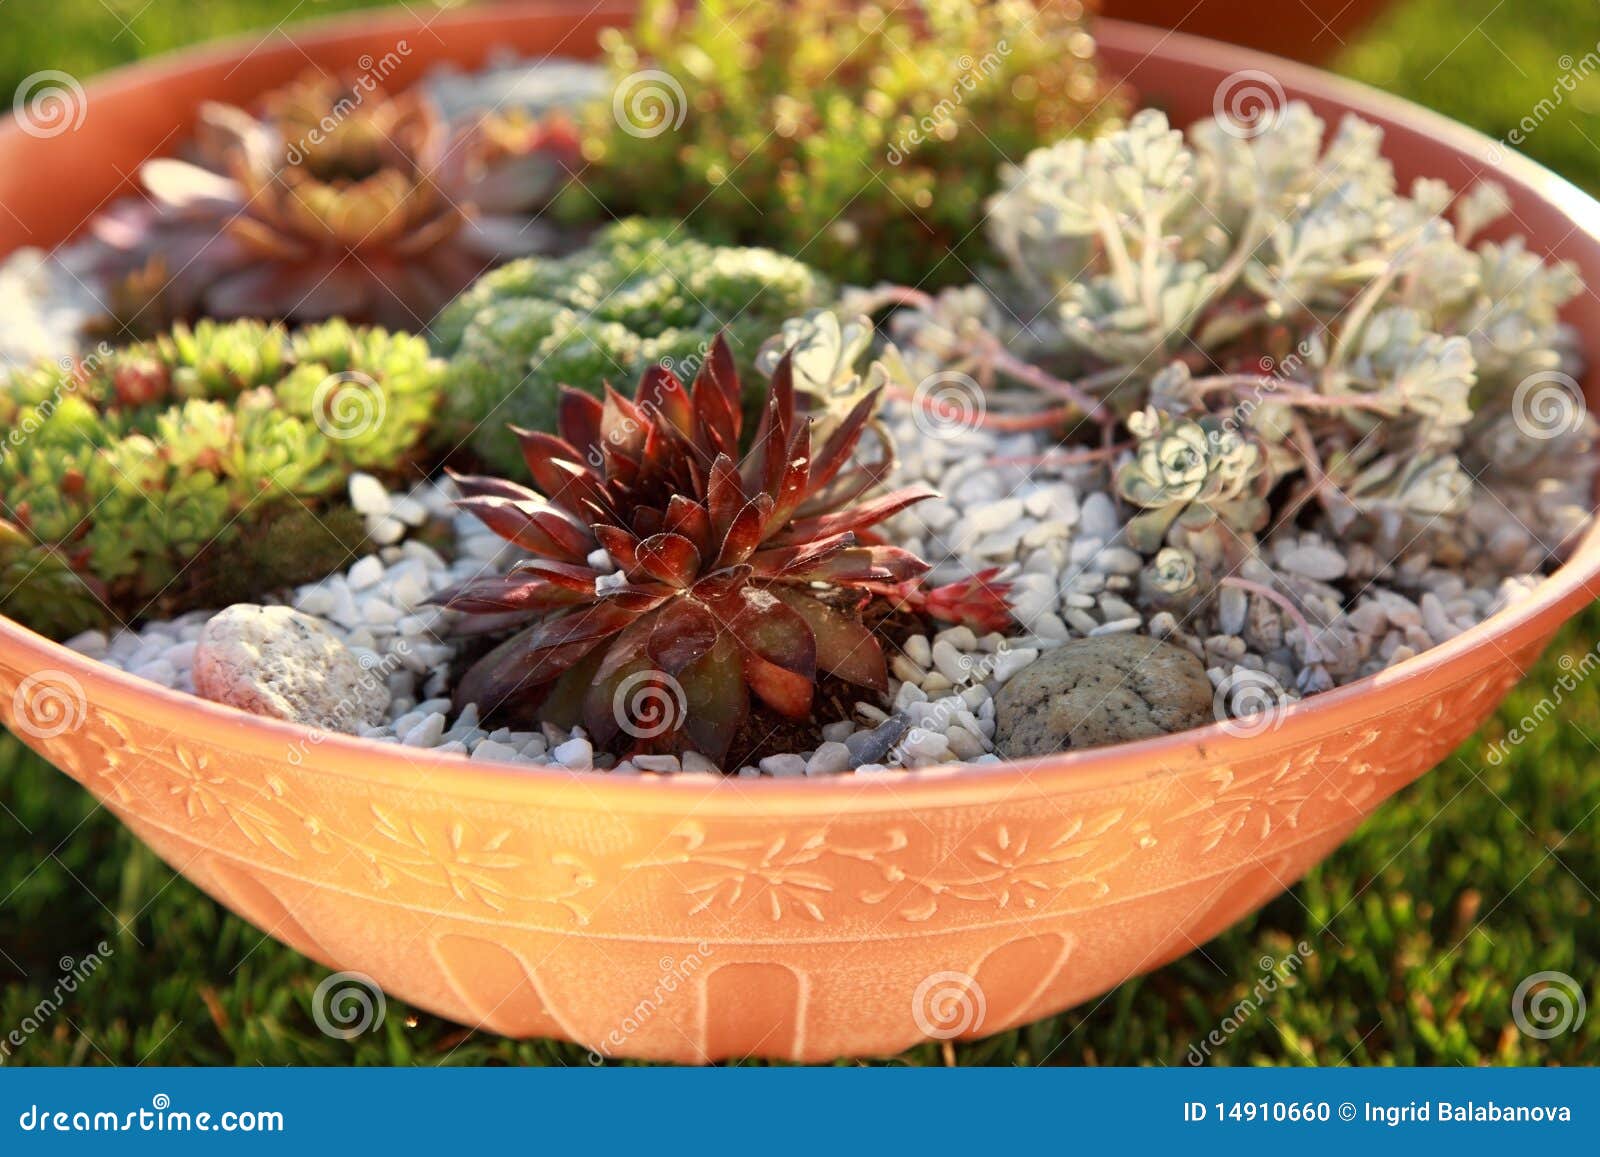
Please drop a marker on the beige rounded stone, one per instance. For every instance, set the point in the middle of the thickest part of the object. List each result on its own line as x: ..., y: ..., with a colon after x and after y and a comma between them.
x: 1094, y: 692
x: 277, y: 661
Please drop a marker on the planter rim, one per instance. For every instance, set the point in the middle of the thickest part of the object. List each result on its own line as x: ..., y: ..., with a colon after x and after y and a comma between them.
x: 1555, y: 599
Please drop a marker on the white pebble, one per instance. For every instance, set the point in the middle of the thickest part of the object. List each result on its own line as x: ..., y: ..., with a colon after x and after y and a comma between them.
x: 924, y: 745
x: 953, y: 664
x: 1314, y: 562
x: 427, y: 733
x: 91, y: 643
x: 1008, y: 662
x: 661, y: 763
x: 576, y: 754
x: 367, y: 494
x: 409, y: 511
x: 829, y: 759
x: 489, y: 749
x: 786, y: 764
x: 365, y: 573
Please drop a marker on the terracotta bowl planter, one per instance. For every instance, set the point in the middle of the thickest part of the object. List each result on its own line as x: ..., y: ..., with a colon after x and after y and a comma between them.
x: 694, y: 920
x: 1311, y: 32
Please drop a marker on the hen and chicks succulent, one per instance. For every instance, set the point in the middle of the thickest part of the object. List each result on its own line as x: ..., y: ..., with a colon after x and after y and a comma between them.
x: 121, y: 469
x: 336, y: 199
x: 669, y: 577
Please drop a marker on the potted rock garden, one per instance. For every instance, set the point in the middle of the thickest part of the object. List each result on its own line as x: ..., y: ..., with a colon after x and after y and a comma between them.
x: 969, y: 538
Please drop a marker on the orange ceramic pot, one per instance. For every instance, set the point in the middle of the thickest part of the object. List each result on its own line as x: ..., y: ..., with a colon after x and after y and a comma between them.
x: 1302, y: 31
x: 693, y: 920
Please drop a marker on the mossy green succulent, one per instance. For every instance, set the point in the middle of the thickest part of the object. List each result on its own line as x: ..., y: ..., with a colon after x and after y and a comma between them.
x: 642, y: 292
x: 118, y: 471
x: 861, y: 137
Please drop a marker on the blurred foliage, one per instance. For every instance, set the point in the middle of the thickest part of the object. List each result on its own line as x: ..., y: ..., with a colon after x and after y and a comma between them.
x: 1491, y: 65
x: 862, y: 138
x: 82, y: 37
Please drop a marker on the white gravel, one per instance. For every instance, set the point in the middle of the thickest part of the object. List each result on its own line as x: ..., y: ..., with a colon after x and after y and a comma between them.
x: 1055, y: 531
x: 45, y: 309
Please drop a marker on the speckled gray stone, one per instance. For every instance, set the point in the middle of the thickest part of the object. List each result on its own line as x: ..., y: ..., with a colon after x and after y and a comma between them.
x: 277, y: 661
x: 1093, y: 692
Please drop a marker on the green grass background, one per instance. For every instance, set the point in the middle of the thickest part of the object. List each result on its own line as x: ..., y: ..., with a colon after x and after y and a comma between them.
x: 1422, y: 924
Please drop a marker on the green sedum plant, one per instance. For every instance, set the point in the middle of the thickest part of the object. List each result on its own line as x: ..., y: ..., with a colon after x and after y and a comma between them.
x: 642, y: 293
x: 861, y: 137
x: 119, y: 471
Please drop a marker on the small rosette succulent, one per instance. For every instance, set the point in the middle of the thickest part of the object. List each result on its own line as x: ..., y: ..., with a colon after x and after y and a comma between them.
x: 1190, y: 471
x: 731, y: 577
x: 338, y: 200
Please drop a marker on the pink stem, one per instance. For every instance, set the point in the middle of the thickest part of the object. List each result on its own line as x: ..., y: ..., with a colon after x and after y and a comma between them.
x: 1065, y: 457
x: 998, y: 356
x: 1031, y: 375
x: 1280, y: 600
x: 1291, y: 393
x: 897, y: 295
x: 1010, y: 423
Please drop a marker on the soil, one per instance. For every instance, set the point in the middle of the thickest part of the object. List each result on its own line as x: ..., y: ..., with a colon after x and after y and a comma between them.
x: 765, y: 732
